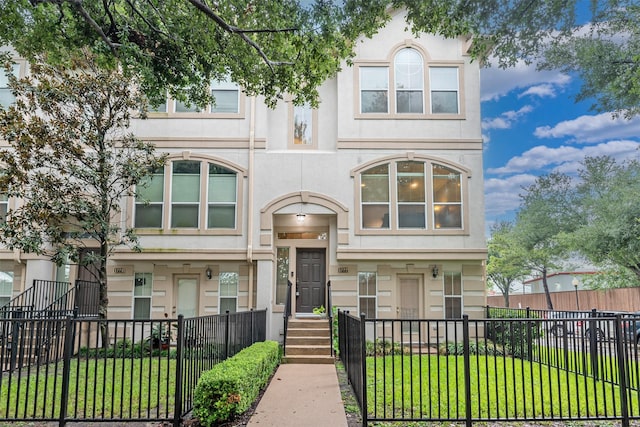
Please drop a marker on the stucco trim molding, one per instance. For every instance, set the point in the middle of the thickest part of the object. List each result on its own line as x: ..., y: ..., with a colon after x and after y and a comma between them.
x: 434, y: 254
x: 306, y: 197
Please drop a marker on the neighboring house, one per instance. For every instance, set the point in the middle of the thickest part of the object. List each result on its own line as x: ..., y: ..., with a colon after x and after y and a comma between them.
x: 558, y: 282
x: 379, y: 191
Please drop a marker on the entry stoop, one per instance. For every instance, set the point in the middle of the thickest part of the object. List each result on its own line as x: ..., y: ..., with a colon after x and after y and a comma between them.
x: 308, y: 341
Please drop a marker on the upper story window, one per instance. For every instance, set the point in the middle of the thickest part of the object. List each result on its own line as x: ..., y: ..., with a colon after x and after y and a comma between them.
x: 303, y: 128
x: 6, y: 96
x: 409, y: 196
x: 374, y: 89
x: 190, y: 195
x: 409, y: 78
x: 406, y: 97
x: 444, y: 90
x: 227, y: 96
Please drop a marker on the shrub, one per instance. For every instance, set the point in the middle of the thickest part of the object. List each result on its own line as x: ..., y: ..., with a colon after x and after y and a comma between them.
x: 383, y: 348
x: 232, y: 386
x: 517, y: 336
x: 480, y: 348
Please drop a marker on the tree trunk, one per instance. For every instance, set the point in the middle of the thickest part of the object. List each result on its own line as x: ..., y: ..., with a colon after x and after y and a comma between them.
x: 103, y: 296
x: 506, y: 298
x: 546, y: 289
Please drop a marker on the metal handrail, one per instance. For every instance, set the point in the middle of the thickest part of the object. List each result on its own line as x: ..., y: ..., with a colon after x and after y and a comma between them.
x: 287, y: 314
x: 330, y: 316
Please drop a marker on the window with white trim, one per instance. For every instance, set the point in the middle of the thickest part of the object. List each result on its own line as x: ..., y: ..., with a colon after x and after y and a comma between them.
x: 149, y: 201
x: 6, y: 282
x: 374, y: 89
x: 409, y: 78
x: 4, y: 206
x: 201, y: 195
x: 226, y: 95
x: 228, y: 292
x: 6, y: 96
x: 142, y: 289
x: 185, y: 194
x: 226, y: 100
x: 447, y: 197
x: 397, y: 89
x: 367, y: 294
x: 282, y: 274
x: 410, y: 195
x: 452, y: 295
x: 444, y: 90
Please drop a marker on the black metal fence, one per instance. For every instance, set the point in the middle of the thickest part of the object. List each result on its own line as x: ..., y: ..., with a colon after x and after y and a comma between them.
x: 59, y: 370
x: 493, y: 370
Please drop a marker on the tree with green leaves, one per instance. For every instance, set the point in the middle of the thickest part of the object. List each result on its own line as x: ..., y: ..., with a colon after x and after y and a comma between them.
x: 505, y: 259
x: 273, y: 48
x: 605, y: 55
x: 609, y: 230
x: 71, y: 162
x: 547, y: 213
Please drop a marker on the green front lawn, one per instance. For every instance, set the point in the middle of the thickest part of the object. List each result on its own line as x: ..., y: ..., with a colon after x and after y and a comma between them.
x: 104, y: 388
x: 432, y: 386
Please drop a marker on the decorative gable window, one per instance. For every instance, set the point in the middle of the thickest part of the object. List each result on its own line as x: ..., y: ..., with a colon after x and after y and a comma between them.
x: 406, y: 97
x: 198, y: 195
x: 410, y: 196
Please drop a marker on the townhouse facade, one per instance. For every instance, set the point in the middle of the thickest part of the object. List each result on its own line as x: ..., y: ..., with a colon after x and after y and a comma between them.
x: 378, y: 191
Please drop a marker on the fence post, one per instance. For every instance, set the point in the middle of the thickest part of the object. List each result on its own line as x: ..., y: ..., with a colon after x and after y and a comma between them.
x: 177, y: 415
x: 622, y: 372
x: 253, y: 333
x: 363, y: 358
x: 467, y: 369
x: 226, y: 335
x: 593, y: 343
x: 66, y: 369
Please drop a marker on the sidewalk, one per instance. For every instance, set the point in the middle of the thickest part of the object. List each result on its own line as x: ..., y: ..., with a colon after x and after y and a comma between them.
x: 301, y: 395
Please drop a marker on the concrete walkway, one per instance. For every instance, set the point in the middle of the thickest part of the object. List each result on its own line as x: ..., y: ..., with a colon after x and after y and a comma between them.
x: 301, y: 395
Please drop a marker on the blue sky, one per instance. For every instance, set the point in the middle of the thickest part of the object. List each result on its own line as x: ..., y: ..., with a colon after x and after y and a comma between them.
x: 531, y: 126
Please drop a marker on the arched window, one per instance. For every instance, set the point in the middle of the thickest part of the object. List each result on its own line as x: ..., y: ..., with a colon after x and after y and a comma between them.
x: 410, y: 194
x: 409, y: 85
x: 199, y: 195
x: 409, y: 81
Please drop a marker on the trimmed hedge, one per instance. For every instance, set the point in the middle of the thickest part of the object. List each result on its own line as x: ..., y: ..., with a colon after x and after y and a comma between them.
x: 231, y: 387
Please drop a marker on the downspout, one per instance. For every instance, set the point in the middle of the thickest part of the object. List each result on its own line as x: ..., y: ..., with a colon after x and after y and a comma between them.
x: 252, y: 141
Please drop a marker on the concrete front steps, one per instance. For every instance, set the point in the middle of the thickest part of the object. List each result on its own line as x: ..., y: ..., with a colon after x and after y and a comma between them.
x: 308, y: 341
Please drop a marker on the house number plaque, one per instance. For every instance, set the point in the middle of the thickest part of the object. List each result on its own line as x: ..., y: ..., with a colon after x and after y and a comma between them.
x: 343, y: 269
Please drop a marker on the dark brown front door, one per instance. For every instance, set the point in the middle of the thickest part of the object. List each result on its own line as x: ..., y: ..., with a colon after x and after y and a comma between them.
x: 310, y: 287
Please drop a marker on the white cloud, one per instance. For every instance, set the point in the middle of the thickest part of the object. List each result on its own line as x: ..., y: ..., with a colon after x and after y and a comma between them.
x: 502, y: 194
x: 540, y: 91
x: 565, y: 158
x: 497, y: 82
x: 585, y: 129
x: 506, y: 119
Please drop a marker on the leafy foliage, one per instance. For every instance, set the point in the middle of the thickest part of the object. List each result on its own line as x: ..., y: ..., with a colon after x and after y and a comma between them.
x: 71, y: 162
x: 231, y: 387
x: 505, y: 263
x: 516, y: 337
x: 292, y: 46
x: 547, y: 212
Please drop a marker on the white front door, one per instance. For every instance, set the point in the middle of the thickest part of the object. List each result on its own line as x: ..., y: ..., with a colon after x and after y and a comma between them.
x: 187, y: 296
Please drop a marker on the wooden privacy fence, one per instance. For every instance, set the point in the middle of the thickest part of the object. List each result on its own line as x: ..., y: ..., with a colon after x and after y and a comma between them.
x: 622, y: 299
